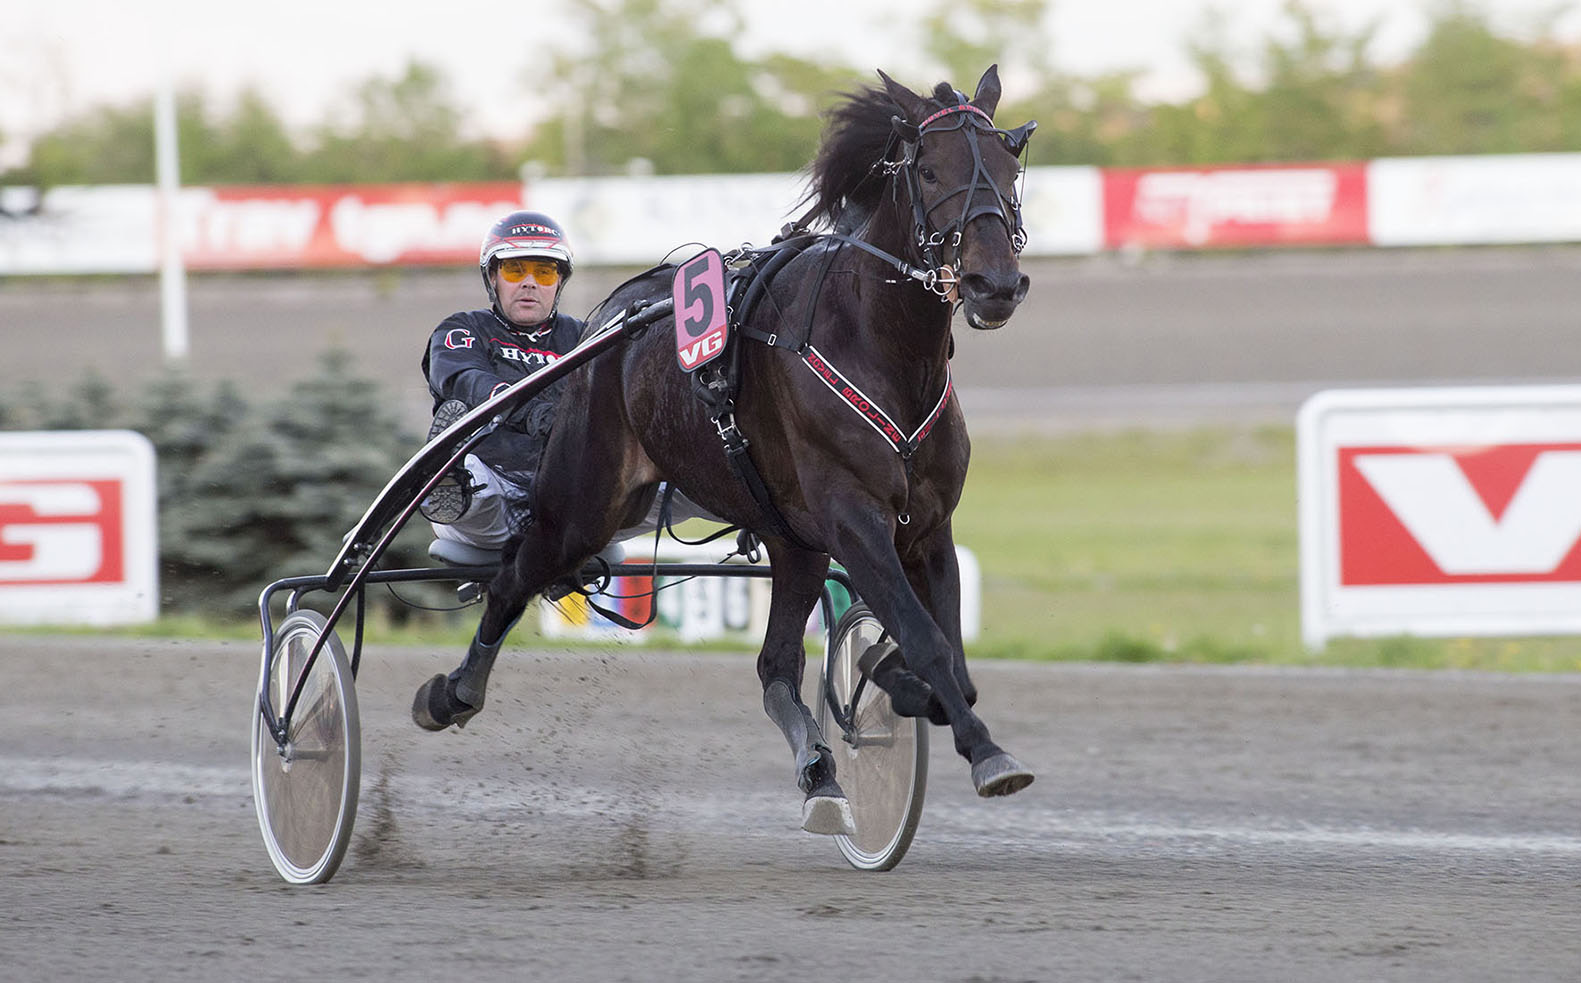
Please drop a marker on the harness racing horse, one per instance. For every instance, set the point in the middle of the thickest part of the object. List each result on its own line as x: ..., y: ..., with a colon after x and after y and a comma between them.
x: 858, y: 447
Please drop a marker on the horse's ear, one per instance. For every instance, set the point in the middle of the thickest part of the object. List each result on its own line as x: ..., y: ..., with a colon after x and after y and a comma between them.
x: 987, y: 97
x: 909, y: 102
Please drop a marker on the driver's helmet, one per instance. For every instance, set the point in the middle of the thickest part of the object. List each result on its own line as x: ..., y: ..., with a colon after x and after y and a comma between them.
x: 530, y: 234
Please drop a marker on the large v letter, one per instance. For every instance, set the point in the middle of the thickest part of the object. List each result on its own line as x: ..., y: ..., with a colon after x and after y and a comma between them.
x: 1433, y: 499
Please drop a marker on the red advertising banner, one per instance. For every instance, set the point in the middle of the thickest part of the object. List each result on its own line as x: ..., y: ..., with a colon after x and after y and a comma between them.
x: 1273, y: 205
x: 305, y: 226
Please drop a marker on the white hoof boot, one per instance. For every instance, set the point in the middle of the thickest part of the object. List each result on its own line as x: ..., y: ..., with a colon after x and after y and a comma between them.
x: 828, y: 815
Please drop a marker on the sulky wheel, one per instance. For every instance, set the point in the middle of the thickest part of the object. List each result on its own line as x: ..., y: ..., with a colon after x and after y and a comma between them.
x: 881, y: 758
x: 306, y: 792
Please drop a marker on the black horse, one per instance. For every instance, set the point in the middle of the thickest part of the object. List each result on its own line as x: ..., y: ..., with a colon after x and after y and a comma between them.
x: 846, y: 415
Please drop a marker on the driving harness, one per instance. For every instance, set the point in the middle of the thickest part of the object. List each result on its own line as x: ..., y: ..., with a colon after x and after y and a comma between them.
x: 718, y: 382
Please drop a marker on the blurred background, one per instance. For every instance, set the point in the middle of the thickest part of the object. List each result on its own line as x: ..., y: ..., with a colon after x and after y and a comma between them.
x: 1232, y: 206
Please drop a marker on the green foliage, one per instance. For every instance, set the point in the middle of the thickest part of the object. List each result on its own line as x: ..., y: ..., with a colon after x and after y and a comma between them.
x: 966, y: 36
x: 1469, y: 91
x: 407, y: 129
x: 655, y: 88
x: 661, y: 86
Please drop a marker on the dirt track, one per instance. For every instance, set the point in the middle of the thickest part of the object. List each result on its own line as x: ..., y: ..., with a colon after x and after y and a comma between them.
x: 627, y: 815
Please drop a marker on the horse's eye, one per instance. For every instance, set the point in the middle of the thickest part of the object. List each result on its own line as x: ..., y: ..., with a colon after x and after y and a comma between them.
x: 927, y: 174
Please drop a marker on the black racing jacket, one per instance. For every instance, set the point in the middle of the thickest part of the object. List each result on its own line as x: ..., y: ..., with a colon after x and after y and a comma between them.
x: 472, y: 355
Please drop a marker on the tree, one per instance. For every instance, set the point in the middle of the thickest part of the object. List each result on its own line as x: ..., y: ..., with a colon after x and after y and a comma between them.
x: 966, y: 36
x: 248, y: 146
x: 278, y: 493
x: 1469, y: 91
x: 406, y: 129
x: 656, y: 88
x: 108, y: 145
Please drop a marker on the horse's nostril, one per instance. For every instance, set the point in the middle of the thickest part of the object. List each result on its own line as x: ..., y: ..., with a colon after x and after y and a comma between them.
x: 976, y: 286
x: 982, y: 286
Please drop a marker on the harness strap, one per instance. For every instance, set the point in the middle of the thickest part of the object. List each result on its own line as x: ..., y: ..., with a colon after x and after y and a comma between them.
x: 963, y: 107
x: 717, y: 390
x: 870, y: 411
x: 940, y: 281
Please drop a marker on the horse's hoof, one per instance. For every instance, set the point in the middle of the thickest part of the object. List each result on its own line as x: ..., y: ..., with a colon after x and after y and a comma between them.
x: 435, y: 706
x: 828, y: 815
x: 1001, y: 774
x: 825, y: 810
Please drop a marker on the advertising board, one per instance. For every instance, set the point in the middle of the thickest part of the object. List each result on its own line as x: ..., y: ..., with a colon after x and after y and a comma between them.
x: 1494, y: 199
x: 1272, y: 205
x: 696, y: 609
x: 306, y: 226
x: 78, y: 533
x: 1440, y: 511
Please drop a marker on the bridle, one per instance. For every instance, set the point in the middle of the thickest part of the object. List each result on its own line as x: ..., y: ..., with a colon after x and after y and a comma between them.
x: 929, y: 239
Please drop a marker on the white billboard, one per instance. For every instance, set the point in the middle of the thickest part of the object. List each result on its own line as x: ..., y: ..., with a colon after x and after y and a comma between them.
x: 78, y: 532
x: 640, y: 220
x: 1440, y: 511
x: 1496, y: 199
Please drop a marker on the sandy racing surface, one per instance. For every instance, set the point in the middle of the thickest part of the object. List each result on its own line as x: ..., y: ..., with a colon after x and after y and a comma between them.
x: 630, y: 815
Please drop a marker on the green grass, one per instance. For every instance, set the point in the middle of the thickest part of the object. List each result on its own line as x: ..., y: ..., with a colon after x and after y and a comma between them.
x: 1128, y: 547
x: 1167, y: 546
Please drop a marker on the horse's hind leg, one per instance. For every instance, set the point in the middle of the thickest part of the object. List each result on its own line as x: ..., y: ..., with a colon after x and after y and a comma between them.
x: 458, y: 697
x: 797, y: 584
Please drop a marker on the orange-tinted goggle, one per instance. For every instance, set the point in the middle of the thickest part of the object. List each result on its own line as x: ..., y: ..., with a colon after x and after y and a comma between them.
x: 545, y: 271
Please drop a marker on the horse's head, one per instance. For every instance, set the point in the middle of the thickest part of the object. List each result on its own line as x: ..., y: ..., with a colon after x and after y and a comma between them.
x: 961, y: 172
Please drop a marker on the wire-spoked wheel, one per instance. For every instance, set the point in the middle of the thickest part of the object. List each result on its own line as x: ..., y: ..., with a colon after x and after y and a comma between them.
x: 881, y: 759
x: 306, y: 793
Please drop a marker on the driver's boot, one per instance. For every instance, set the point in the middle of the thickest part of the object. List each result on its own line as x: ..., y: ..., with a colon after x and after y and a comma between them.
x: 456, y: 698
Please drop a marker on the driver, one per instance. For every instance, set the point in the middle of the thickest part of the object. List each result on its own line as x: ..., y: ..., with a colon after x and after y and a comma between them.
x: 525, y: 262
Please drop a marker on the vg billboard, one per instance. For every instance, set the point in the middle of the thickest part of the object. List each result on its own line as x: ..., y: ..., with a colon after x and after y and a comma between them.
x: 1440, y: 511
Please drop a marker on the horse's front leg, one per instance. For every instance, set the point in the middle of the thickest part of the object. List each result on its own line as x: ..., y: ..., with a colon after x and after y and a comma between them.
x: 797, y: 579
x: 869, y: 555
x: 934, y: 572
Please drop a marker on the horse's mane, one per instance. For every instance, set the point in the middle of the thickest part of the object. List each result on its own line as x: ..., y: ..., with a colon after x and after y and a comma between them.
x: 844, y: 185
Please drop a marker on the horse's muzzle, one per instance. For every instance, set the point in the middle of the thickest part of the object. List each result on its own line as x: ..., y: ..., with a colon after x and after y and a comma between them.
x: 990, y: 298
